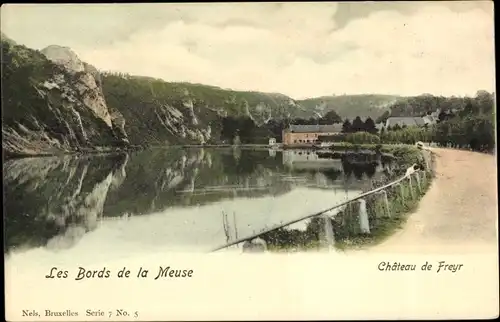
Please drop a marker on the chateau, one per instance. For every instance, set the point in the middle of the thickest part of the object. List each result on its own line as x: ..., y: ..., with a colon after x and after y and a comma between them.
x: 308, y: 134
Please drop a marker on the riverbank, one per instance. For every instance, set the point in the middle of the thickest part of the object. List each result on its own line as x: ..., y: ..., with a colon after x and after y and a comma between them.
x: 389, y: 211
x: 131, y: 148
x: 79, y: 152
x: 357, y: 227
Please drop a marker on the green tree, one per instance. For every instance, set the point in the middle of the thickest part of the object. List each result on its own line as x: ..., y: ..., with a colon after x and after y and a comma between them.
x: 330, y: 118
x: 346, y: 126
x: 369, y: 126
x: 358, y: 125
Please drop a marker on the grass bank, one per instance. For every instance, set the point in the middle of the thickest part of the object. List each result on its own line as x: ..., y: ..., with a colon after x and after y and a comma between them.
x: 384, y: 215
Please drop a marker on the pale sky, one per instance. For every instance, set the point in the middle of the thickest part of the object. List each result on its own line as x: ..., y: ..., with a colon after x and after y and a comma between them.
x: 297, y: 49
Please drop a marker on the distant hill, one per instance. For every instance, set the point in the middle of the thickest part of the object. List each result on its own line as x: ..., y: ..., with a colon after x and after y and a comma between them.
x: 425, y: 103
x: 3, y: 37
x: 350, y: 106
x: 157, y: 111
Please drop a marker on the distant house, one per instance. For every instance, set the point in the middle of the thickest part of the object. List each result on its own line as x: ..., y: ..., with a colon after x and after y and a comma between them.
x: 308, y: 134
x: 405, y: 121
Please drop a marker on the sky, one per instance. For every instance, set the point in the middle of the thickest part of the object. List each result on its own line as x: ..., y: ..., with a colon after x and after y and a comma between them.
x: 297, y: 49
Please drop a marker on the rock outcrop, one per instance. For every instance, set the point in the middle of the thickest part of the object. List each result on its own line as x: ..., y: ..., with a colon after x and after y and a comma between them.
x: 64, y: 56
x: 158, y: 112
x: 52, y: 104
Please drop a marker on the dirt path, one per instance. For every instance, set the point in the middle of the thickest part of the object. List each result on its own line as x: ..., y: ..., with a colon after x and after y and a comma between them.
x: 458, y: 214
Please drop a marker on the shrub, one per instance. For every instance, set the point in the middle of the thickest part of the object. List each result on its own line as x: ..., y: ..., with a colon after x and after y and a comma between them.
x: 362, y: 138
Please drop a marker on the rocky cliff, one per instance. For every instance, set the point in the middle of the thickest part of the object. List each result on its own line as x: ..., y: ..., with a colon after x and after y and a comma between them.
x: 52, y: 103
x: 159, y: 112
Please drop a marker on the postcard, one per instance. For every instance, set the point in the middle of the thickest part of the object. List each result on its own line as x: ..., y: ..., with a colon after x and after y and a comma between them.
x: 249, y: 161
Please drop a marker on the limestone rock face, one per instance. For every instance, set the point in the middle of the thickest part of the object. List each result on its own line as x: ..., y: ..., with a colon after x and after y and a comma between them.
x: 53, y: 103
x: 83, y: 81
x: 64, y: 56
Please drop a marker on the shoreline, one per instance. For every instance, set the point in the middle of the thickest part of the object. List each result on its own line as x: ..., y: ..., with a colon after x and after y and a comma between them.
x: 340, y: 148
x: 108, y: 150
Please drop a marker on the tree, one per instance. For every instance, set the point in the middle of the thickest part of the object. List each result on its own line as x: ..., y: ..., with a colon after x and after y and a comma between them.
x: 330, y: 118
x: 443, y: 116
x: 313, y: 120
x: 357, y: 125
x: 346, y: 126
x: 369, y: 126
x: 229, y: 128
x: 485, y: 101
x: 300, y: 121
x: 246, y: 130
x: 469, y: 108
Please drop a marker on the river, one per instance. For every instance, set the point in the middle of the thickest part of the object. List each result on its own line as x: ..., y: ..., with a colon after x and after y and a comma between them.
x: 95, y: 207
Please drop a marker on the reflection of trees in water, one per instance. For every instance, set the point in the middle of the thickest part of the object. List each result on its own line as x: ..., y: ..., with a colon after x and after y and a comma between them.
x: 44, y: 197
x: 358, y: 169
x: 243, y: 163
x: 49, y: 197
x: 332, y: 174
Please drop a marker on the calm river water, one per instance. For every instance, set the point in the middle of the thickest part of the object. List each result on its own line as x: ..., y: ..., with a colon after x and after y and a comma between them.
x: 165, y: 200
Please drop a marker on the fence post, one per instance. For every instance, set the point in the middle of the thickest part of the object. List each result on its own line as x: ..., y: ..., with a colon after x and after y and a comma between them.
x: 417, y: 177
x: 329, y: 233
x: 402, y: 192
x: 411, y: 187
x: 386, y: 202
x: 364, y: 224
x: 387, y: 211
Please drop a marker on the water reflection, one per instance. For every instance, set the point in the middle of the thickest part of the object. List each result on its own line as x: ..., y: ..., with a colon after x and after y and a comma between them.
x: 168, y: 199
